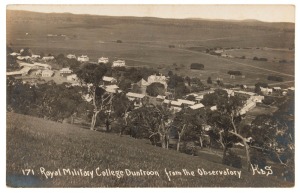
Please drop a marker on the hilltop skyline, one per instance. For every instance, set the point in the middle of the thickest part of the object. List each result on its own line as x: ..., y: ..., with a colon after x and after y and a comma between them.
x: 265, y: 13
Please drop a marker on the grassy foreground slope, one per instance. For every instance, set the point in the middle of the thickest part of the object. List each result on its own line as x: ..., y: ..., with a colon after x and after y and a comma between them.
x: 33, y: 143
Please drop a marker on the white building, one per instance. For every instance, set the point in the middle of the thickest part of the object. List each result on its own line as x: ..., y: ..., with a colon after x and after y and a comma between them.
x: 186, y: 102
x: 197, y: 106
x: 24, y: 58
x: 71, y: 56
x: 35, y: 65
x: 266, y: 90
x: 34, y: 56
x: 15, y: 54
x: 161, y: 79
x: 118, y: 63
x: 83, y: 58
x: 65, y: 71
x: 133, y: 96
x: 72, y: 77
x: 103, y: 60
x: 47, y: 73
x: 24, y: 71
x: 109, y: 79
x: 48, y: 58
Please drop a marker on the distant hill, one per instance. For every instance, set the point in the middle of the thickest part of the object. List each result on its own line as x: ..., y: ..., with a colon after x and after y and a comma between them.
x: 33, y: 143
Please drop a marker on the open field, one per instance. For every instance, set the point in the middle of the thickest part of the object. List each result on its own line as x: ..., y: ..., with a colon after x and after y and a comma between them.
x: 146, y: 42
x: 33, y: 143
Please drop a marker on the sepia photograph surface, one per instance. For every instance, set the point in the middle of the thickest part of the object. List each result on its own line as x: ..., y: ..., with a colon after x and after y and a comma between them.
x: 150, y: 96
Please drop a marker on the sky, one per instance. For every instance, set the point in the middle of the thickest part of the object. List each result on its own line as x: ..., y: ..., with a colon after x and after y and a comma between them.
x: 268, y: 13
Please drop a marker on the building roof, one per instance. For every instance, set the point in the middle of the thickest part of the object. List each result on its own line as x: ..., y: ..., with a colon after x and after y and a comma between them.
x: 108, y: 79
x: 142, y: 82
x: 213, y: 108
x: 186, y: 101
x: 176, y: 103
x: 277, y: 88
x: 160, y: 97
x: 197, y: 106
x: 112, y: 87
x: 22, y: 71
x: 135, y: 95
x: 65, y: 70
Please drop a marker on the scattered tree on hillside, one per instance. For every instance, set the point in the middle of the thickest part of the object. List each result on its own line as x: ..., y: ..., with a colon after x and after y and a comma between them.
x: 155, y: 89
x: 91, y: 74
x: 156, y: 121
x: 226, y: 119
x: 209, y: 81
x: 190, y: 122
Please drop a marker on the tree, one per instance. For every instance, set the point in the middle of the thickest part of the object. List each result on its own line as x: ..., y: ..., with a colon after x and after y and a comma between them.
x: 226, y: 119
x: 272, y: 135
x: 191, y: 98
x: 26, y: 52
x: 155, y: 120
x: 209, y: 81
x: 155, y: 89
x: 190, y: 122
x: 121, y: 107
x: 91, y: 74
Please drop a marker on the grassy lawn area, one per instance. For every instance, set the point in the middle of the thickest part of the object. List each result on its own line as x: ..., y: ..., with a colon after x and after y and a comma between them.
x: 33, y: 143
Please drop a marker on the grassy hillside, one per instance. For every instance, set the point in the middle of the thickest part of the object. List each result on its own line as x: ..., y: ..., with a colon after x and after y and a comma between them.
x: 146, y: 42
x: 33, y: 143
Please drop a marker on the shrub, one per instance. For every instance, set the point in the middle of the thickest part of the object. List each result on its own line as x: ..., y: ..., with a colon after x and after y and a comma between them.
x: 233, y: 160
x: 236, y: 73
x: 197, y: 66
x: 258, y: 158
x: 275, y: 78
x: 119, y: 41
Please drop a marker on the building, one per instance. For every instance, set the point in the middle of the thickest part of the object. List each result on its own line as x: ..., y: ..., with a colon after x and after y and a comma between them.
x: 108, y: 79
x: 160, y: 79
x: 15, y: 54
x: 277, y: 88
x: 186, y: 102
x: 36, y: 65
x: 83, y: 58
x: 197, y: 106
x: 160, y: 98
x: 137, y: 98
x: 48, y: 58
x: 213, y: 108
x: 47, y: 73
x: 24, y: 58
x: 38, y: 72
x: 34, y: 56
x: 65, y: 71
x: 257, y: 98
x: 266, y: 90
x: 118, y: 63
x: 72, y: 78
x: 112, y: 89
x: 140, y: 86
x: 103, y: 60
x: 24, y: 71
x: 71, y: 56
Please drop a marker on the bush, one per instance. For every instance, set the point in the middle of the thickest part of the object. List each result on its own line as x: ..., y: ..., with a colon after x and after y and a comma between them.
x: 258, y: 158
x: 171, y: 46
x: 233, y: 160
x: 275, y: 78
x: 197, y: 66
x: 119, y: 41
x: 236, y: 73
x: 260, y: 59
